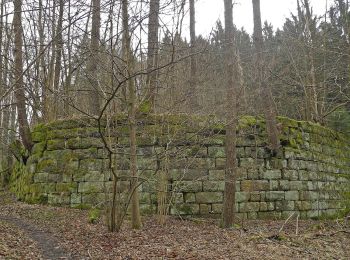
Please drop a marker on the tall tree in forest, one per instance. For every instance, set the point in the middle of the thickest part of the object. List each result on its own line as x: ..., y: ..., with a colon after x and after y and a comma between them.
x: 232, y: 82
x: 129, y: 60
x: 23, y: 125
x: 266, y: 94
x: 152, y: 55
x: 193, y: 77
x: 93, y: 89
x: 59, y: 50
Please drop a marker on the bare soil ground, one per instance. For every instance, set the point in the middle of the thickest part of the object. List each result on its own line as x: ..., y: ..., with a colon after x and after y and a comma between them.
x: 43, y: 232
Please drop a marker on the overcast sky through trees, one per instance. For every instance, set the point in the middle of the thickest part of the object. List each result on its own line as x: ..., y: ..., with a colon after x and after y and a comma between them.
x: 274, y: 11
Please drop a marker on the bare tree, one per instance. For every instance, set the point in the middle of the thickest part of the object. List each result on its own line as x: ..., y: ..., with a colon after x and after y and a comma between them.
x: 193, y: 79
x: 231, y: 117
x: 23, y: 126
x: 152, y: 56
x: 129, y: 59
x: 266, y: 95
x: 93, y: 91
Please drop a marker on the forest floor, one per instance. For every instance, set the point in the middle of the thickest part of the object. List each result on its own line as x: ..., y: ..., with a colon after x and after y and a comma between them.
x: 43, y: 232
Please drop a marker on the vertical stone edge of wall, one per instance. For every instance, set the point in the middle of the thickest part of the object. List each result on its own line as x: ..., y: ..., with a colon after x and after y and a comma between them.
x: 309, y: 176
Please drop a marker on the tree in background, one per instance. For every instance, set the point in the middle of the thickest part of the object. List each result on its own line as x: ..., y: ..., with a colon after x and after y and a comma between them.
x: 232, y: 90
x: 266, y: 95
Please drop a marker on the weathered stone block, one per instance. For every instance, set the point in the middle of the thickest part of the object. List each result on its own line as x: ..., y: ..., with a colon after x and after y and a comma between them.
x: 209, y: 197
x: 201, y: 163
x: 274, y: 195
x: 187, y: 186
x: 308, y: 195
x: 75, y: 198
x: 292, y: 175
x: 185, y: 209
x: 242, y: 196
x: 257, y: 185
x: 303, y: 205
x: 249, y: 206
x: 40, y: 177
x: 204, y: 209
x: 218, y: 175
x: 213, y: 185
x: 272, y: 174
x: 91, y: 187
x: 284, y: 205
x: 216, y: 208
x: 91, y: 176
x: 255, y: 196
x: 93, y: 198
x: 216, y: 152
x: 189, y: 174
x: 292, y: 195
x: 58, y: 198
x: 189, y: 197
x: 67, y: 187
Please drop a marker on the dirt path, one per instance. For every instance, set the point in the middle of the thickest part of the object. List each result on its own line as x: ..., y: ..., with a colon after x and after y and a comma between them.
x: 47, y: 244
x: 70, y: 236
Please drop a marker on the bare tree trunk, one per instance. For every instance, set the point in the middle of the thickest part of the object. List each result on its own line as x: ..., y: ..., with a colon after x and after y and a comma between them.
x: 193, y: 77
x: 231, y: 117
x: 93, y: 93
x: 266, y: 95
x: 41, y: 65
x: 128, y: 58
x: 23, y: 126
x: 313, y: 96
x: 59, y: 49
x: 152, y: 56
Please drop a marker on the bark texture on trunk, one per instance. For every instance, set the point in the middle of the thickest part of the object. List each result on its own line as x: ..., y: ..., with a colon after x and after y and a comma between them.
x: 23, y: 125
x: 231, y: 117
x: 266, y: 95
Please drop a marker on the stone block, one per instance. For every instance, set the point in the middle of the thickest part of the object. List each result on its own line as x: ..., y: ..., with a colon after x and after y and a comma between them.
x: 93, y: 199
x: 201, y: 163
x: 213, y: 185
x: 216, y: 208
x: 274, y: 195
x: 284, y: 185
x: 267, y: 206
x: 308, y: 195
x: 218, y: 175
x: 255, y: 185
x: 67, y: 187
x: 58, y: 198
x: 41, y: 177
x: 303, y: 205
x: 189, y: 197
x: 187, y: 186
x: 216, y: 152
x: 220, y: 163
x: 204, y: 209
x: 284, y: 205
x: 91, y: 165
x: 91, y: 176
x: 291, y: 175
x: 292, y: 195
x: 75, y: 198
x: 274, y: 185
x: 272, y: 174
x: 189, y: 174
x: 269, y: 215
x: 249, y: 206
x: 242, y: 196
x: 209, y: 197
x: 91, y: 187
x: 185, y: 209
x: 255, y: 196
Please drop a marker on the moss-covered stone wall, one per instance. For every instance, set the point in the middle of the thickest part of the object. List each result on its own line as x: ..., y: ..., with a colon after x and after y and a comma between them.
x: 69, y: 165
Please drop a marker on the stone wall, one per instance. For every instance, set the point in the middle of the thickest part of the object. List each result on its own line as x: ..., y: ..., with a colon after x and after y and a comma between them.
x: 310, y: 175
